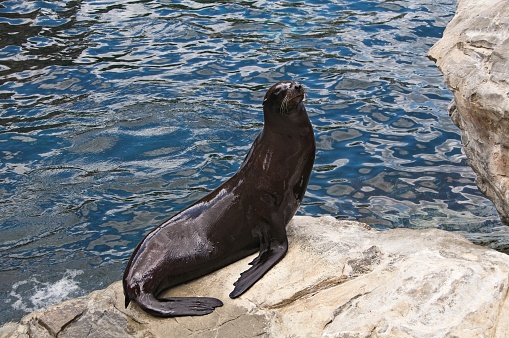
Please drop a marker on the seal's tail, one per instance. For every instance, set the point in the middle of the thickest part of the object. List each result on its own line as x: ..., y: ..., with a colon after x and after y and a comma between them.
x: 177, y: 306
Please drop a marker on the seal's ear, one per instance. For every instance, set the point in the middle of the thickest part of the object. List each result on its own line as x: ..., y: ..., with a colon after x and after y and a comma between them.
x: 263, y: 103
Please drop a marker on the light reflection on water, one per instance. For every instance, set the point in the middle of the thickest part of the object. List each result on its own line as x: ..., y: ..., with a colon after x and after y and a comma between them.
x: 114, y: 115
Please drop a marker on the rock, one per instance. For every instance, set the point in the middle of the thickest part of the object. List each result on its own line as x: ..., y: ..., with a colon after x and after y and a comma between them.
x: 339, y: 279
x: 473, y: 55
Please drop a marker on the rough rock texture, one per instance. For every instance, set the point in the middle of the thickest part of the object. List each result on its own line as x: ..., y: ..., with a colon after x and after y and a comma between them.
x: 473, y: 55
x: 339, y: 279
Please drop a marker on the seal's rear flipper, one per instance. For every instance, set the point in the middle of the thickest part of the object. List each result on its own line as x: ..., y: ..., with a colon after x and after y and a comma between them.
x: 260, y: 265
x: 178, y: 306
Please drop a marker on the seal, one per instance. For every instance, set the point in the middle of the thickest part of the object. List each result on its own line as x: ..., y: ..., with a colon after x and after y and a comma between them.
x: 247, y: 213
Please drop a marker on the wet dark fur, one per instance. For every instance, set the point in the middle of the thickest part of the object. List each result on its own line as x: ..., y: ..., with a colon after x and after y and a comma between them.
x: 247, y: 213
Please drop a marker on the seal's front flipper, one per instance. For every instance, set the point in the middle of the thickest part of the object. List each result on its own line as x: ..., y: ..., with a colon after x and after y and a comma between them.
x: 267, y: 258
x: 177, y: 306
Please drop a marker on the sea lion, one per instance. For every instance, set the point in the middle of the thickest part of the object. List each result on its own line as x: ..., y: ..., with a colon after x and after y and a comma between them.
x: 247, y: 213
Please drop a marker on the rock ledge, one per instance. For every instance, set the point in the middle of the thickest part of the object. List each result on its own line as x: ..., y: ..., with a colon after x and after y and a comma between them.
x: 339, y: 279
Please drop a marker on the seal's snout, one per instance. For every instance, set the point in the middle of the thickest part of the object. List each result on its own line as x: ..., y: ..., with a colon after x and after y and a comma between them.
x: 297, y: 89
x: 293, y: 96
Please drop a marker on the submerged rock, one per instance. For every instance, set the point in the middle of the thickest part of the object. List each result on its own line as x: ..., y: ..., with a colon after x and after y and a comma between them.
x: 339, y: 279
x: 473, y: 55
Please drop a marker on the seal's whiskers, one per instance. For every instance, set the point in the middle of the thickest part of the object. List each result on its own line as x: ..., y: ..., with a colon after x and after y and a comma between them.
x: 284, y: 105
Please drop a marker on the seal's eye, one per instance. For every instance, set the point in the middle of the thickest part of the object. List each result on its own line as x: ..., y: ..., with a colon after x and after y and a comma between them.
x: 279, y: 90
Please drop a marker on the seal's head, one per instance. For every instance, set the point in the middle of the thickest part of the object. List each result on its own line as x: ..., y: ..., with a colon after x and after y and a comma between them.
x: 283, y: 104
x: 284, y: 96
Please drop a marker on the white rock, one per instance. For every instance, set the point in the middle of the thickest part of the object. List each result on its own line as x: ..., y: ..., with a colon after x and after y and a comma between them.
x: 339, y: 279
x: 473, y: 55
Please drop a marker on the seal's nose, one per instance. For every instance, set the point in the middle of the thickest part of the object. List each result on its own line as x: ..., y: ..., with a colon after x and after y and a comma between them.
x: 297, y: 86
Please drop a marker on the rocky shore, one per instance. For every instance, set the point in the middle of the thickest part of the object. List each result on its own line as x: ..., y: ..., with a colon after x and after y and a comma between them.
x: 339, y: 279
x: 473, y: 55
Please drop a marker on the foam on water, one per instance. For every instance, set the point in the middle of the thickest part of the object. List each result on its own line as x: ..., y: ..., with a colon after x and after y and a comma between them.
x: 33, y: 294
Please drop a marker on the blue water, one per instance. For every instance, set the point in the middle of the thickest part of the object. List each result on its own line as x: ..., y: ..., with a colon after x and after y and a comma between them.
x: 116, y: 114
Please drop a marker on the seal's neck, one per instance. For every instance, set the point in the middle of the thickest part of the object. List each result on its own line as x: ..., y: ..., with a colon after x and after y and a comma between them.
x: 295, y: 124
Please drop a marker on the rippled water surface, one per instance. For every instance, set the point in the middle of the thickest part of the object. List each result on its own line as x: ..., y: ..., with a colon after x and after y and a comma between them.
x: 116, y: 114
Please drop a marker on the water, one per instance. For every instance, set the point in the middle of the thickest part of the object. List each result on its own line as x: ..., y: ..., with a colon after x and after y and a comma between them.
x: 116, y: 114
